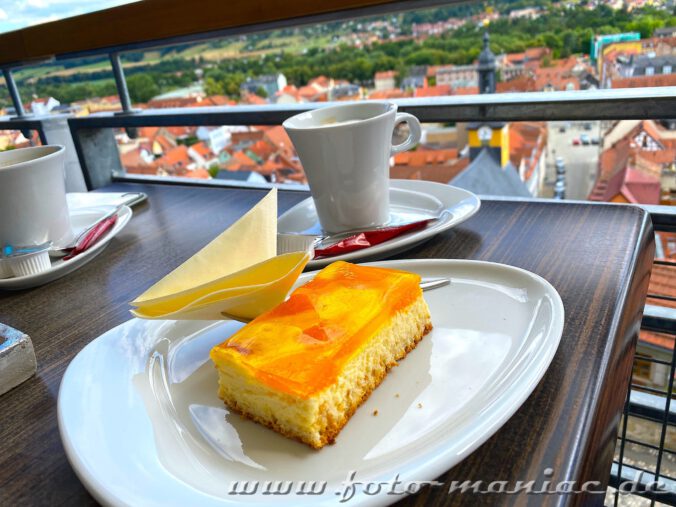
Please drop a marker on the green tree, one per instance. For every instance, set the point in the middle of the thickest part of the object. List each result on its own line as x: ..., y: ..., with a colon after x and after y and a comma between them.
x: 142, y: 88
x: 213, y: 87
x: 213, y: 170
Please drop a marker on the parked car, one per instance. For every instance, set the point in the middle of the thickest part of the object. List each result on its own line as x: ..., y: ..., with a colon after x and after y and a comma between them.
x: 595, y: 140
x: 584, y: 139
x: 587, y: 126
x: 576, y: 141
x: 562, y: 129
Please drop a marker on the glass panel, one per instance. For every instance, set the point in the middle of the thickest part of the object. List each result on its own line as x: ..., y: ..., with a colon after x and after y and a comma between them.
x: 13, y: 139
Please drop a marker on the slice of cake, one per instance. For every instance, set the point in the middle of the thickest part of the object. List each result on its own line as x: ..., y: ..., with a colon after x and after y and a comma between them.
x: 305, y: 366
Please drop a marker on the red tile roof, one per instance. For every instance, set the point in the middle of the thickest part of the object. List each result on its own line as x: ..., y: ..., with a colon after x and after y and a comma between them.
x: 662, y: 340
x: 515, y: 58
x: 423, y: 157
x: 394, y: 93
x: 150, y: 170
x: 662, y: 157
x: 176, y: 157
x: 537, y: 53
x: 244, y: 159
x: 433, y: 91
x: 164, y: 142
x: 179, y: 132
x: 174, y: 102
x: 270, y: 166
x: 289, y: 90
x: 630, y: 184
x: 217, y: 100
x: 668, y: 241
x: 556, y: 77
x: 645, y: 81
x: 253, y: 99
x: 262, y: 149
x: 640, y: 188
x: 611, y: 163
x: 466, y: 90
x: 200, y: 174
x: 148, y: 132
x: 132, y: 159
x: 651, y: 128
x: 387, y: 74
x: 527, y: 140
x: 279, y: 138
x: 522, y: 83
x: 203, y: 150
x: 438, y: 172
x: 663, y: 283
x: 312, y: 94
x: 322, y: 81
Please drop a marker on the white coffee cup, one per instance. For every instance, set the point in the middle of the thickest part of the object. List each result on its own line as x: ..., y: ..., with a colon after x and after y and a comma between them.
x: 345, y: 151
x: 33, y: 207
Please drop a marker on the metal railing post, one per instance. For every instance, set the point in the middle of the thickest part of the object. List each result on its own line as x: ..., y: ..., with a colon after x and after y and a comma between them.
x: 121, y: 83
x: 16, y: 100
x: 123, y: 92
x: 14, y: 93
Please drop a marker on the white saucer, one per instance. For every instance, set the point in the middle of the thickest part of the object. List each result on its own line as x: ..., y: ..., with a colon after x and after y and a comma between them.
x: 80, y: 219
x: 142, y: 424
x: 410, y: 200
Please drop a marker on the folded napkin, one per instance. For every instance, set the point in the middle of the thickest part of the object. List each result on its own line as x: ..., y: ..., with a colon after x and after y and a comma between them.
x: 237, y: 275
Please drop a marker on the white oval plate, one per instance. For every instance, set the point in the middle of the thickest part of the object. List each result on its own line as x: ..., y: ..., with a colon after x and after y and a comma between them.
x: 410, y: 200
x: 80, y: 218
x: 142, y: 425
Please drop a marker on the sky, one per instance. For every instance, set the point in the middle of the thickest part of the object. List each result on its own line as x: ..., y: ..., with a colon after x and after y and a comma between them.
x: 16, y: 14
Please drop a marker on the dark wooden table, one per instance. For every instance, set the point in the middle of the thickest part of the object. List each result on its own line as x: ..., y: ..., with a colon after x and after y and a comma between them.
x: 597, y: 256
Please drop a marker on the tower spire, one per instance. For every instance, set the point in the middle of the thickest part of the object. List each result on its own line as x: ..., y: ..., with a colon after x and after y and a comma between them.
x: 487, y: 67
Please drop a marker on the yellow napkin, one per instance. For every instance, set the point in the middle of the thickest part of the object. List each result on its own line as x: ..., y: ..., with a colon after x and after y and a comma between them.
x: 237, y: 274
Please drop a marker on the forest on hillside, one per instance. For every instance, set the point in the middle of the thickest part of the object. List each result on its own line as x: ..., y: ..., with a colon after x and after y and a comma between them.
x: 565, y: 31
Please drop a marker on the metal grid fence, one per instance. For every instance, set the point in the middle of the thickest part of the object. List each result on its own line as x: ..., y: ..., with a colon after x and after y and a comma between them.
x: 645, y: 457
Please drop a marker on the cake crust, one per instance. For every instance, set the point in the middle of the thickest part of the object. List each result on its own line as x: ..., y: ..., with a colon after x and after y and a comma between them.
x: 328, y: 436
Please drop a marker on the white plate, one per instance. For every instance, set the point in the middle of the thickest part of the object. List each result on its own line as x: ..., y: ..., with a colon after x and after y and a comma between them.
x: 92, y: 199
x: 80, y: 218
x: 410, y: 200
x: 142, y: 425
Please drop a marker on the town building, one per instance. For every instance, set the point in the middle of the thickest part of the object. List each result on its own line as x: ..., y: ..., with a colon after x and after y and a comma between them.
x: 637, y: 164
x: 457, y: 76
x: 647, y: 65
x: 385, y: 80
x: 668, y: 31
x: 270, y: 83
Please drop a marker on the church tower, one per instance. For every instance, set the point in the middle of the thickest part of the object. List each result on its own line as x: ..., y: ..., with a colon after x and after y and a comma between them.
x: 487, y: 68
x: 492, y: 137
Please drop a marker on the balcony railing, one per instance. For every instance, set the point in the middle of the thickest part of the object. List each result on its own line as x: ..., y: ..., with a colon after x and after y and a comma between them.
x: 92, y: 140
x: 98, y: 156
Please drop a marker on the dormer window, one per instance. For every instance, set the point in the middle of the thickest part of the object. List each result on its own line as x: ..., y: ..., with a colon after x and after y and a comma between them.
x: 650, y: 71
x: 666, y: 69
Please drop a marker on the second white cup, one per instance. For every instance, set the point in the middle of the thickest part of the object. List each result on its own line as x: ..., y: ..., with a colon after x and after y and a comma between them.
x: 33, y: 207
x: 345, y: 152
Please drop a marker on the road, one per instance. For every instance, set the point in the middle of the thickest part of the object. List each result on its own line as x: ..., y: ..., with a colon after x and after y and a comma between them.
x: 581, y: 162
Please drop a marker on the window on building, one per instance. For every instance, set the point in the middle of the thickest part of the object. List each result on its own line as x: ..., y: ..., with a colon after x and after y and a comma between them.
x: 642, y: 370
x: 649, y: 71
x: 666, y: 69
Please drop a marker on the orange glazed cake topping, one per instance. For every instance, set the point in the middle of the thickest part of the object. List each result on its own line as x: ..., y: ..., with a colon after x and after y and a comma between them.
x: 323, y: 350
x: 301, y: 345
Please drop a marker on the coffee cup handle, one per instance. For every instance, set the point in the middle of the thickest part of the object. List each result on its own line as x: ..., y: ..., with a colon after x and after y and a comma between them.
x: 414, y: 135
